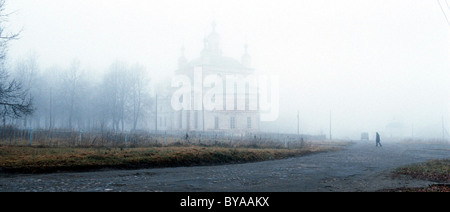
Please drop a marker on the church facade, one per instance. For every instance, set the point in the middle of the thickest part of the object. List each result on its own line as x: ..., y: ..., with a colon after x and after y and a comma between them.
x: 241, y: 118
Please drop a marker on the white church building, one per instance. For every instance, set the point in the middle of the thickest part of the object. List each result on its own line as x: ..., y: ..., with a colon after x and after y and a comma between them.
x: 242, y: 119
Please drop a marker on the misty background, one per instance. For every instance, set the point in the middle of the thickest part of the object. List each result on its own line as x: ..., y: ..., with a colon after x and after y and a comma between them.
x: 371, y: 63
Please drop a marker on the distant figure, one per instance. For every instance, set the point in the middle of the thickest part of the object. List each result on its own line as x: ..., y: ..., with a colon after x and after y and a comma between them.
x: 378, y: 140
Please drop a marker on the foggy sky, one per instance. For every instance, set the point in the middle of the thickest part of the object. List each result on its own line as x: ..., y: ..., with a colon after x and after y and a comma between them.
x: 368, y: 62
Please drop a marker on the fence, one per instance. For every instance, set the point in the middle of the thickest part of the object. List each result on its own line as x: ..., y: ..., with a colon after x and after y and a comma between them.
x: 70, y: 138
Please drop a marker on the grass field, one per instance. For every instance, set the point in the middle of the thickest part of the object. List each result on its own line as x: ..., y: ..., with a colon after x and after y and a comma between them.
x: 35, y: 159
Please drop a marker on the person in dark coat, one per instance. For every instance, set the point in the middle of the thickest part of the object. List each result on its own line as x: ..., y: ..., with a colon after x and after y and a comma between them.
x: 378, y: 140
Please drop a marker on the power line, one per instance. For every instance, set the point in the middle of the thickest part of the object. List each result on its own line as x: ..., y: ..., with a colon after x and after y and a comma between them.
x: 443, y: 12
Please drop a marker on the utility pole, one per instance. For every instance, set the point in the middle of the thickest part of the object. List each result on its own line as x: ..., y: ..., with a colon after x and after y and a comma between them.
x: 203, y: 110
x: 298, y: 122
x: 203, y: 117
x: 50, y: 127
x: 331, y: 137
x: 443, y: 129
x: 156, y: 113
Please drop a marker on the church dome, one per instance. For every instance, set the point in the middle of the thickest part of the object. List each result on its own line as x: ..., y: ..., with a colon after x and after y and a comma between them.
x: 182, y: 61
x: 212, y: 42
x: 246, y: 59
x: 211, y: 56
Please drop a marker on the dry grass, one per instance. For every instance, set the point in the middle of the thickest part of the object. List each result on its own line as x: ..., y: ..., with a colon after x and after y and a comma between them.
x: 434, y: 170
x: 32, y: 159
x: 431, y: 188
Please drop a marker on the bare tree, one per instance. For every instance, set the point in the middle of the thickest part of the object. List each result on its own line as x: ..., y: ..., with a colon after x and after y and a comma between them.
x: 27, y: 74
x: 124, y: 94
x: 15, y: 101
x: 72, y: 86
x: 115, y: 85
x: 138, y: 84
x: 4, y: 36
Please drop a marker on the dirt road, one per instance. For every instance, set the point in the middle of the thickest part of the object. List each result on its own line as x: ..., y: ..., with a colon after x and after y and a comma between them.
x: 359, y: 167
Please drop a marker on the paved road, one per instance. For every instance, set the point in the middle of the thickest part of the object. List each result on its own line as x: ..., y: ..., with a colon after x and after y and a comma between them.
x: 359, y: 167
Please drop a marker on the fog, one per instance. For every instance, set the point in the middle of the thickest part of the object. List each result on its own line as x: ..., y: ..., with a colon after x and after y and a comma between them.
x: 367, y: 63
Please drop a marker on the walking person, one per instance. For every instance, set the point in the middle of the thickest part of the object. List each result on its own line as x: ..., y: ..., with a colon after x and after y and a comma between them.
x: 378, y: 140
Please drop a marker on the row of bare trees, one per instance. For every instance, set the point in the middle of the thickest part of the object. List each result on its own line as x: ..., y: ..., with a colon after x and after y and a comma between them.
x: 71, y: 98
x: 125, y: 97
